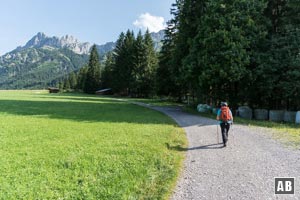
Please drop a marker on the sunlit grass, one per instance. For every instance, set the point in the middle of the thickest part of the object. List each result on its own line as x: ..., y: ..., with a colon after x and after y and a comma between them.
x: 74, y: 146
x: 289, y: 133
x: 154, y: 101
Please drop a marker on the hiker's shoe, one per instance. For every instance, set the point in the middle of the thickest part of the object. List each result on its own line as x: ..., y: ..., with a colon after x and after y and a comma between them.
x: 224, y: 145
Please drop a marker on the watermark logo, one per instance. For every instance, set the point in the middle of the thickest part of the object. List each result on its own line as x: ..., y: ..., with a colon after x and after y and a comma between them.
x: 284, y: 185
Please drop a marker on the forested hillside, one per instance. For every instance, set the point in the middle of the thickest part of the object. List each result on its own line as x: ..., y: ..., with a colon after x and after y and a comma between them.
x: 36, y: 68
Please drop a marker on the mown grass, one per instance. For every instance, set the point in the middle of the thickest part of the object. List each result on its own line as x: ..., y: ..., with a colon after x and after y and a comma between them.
x: 74, y: 146
x: 154, y: 101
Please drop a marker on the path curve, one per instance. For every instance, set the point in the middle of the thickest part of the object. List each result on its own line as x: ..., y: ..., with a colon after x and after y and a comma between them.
x: 245, y: 169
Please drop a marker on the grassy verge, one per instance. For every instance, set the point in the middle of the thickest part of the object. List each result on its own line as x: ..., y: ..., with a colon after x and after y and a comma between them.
x: 154, y: 102
x: 288, y: 133
x: 74, y: 146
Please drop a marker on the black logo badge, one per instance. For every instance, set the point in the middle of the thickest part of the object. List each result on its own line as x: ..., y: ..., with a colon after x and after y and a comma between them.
x: 284, y: 185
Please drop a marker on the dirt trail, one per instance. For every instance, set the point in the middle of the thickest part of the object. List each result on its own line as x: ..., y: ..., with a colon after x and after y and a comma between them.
x: 245, y: 169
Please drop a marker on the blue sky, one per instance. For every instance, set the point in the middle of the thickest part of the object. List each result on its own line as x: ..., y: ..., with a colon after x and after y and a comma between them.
x: 94, y: 21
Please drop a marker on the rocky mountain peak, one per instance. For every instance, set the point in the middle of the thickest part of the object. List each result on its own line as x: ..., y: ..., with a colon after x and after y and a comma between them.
x: 40, y: 35
x: 41, y: 40
x: 35, y: 40
x: 68, y: 39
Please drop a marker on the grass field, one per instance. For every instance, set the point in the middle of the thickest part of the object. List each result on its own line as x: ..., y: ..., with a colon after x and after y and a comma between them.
x: 74, y: 146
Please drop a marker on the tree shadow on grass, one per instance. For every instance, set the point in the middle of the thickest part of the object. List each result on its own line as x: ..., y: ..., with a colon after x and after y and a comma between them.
x: 104, y: 110
x: 91, y: 98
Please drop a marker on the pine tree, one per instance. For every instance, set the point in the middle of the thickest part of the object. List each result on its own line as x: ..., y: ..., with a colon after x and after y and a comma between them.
x: 72, y: 80
x: 92, y: 81
x: 275, y: 89
x: 116, y: 81
x: 148, y: 84
x: 124, y: 63
x: 227, y: 39
x: 67, y: 84
x: 81, y: 77
x: 166, y: 71
x: 107, y: 76
x: 130, y: 68
x: 139, y: 66
x: 61, y: 86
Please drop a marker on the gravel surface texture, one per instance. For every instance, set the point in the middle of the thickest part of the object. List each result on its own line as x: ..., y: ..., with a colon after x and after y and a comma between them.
x: 245, y: 169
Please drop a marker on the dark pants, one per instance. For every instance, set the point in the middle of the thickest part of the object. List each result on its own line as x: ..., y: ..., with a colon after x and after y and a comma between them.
x: 225, y: 128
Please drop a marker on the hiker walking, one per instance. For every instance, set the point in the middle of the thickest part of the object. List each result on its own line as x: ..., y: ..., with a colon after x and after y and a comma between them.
x: 224, y: 116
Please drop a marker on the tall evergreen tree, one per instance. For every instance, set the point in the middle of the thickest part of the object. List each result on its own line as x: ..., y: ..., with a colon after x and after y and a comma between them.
x: 139, y: 65
x: 277, y: 83
x: 116, y: 83
x: 81, y: 77
x: 67, y: 84
x: 73, y: 80
x: 229, y: 46
x: 166, y: 74
x: 144, y: 66
x: 148, y: 84
x: 92, y: 81
x: 124, y: 63
x: 107, y: 76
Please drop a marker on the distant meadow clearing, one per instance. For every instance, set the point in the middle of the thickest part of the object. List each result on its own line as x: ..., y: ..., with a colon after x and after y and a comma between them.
x: 76, y: 146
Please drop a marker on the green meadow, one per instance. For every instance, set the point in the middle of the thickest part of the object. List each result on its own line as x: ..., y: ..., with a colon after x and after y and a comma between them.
x: 75, y: 146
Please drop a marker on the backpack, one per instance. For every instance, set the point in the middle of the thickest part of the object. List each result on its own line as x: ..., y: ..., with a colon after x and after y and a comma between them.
x: 225, y: 114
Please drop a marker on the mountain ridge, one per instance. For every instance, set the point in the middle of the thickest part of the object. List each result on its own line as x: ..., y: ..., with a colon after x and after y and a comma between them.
x: 43, y: 61
x: 67, y: 41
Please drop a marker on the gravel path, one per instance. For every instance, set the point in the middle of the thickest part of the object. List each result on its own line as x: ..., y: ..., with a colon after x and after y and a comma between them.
x: 245, y: 169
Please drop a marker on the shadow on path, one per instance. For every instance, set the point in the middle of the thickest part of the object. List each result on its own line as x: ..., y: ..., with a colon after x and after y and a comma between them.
x: 209, y: 146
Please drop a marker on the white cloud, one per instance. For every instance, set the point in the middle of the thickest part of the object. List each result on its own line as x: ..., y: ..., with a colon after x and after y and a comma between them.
x: 153, y: 23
